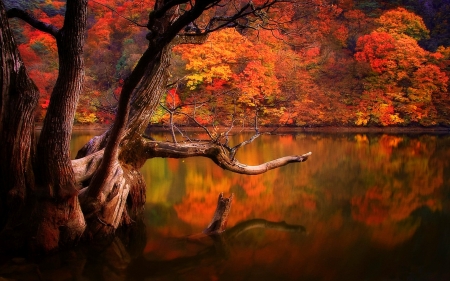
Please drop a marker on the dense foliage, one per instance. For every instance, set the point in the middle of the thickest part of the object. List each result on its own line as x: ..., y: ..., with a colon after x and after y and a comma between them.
x: 351, y: 63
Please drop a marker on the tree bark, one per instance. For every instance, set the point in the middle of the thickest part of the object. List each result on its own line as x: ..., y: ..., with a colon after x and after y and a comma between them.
x: 18, y: 100
x: 54, y: 173
x: 216, y: 152
x: 118, y: 175
x: 106, y: 179
x: 219, y: 221
x: 55, y: 177
x: 55, y: 218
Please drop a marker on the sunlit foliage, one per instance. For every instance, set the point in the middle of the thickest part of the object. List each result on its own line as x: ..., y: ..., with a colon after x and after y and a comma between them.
x: 351, y: 63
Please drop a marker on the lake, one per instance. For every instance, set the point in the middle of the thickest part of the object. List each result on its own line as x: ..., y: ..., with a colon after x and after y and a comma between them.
x: 363, y: 207
x: 373, y: 207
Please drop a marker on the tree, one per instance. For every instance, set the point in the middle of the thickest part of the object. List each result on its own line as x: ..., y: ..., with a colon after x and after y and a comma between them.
x: 405, y: 79
x: 51, y: 201
x: 400, y: 21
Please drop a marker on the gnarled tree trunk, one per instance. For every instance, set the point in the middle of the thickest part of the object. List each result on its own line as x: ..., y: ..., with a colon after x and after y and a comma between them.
x: 19, y: 97
x: 55, y: 180
x: 59, y: 200
x: 48, y: 190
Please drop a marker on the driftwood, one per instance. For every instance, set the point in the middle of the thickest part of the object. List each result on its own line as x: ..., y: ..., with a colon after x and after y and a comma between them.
x: 220, y: 218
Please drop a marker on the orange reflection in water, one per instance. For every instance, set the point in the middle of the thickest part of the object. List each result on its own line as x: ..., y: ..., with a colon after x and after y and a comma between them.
x: 359, y: 197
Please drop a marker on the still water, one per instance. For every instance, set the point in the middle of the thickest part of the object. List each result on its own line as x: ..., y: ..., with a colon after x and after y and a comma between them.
x: 363, y: 207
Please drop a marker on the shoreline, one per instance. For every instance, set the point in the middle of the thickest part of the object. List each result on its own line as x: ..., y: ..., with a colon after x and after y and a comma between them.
x: 325, y: 129
x: 330, y: 129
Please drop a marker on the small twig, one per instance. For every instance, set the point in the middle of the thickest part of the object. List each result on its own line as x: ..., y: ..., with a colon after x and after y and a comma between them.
x: 113, y: 10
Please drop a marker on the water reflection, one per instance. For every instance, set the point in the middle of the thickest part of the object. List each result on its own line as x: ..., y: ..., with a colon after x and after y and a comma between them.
x: 369, y: 202
x: 374, y: 206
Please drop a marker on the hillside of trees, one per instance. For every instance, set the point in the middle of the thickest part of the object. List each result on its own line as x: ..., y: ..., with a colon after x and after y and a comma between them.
x: 342, y: 63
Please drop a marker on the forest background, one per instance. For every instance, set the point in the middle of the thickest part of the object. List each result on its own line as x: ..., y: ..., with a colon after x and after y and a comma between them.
x: 346, y: 63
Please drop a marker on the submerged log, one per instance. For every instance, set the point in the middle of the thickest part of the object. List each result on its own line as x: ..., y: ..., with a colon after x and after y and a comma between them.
x: 220, y: 218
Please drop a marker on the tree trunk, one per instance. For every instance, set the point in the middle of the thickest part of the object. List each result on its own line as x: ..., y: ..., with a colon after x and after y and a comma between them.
x: 53, y: 213
x: 18, y: 100
x: 116, y: 192
x: 106, y: 179
x: 118, y: 180
x: 55, y: 179
x: 54, y: 173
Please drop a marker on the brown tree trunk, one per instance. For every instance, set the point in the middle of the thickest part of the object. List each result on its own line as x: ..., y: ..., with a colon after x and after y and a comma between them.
x: 116, y: 192
x: 54, y: 173
x: 18, y: 100
x: 107, y: 179
x: 55, y: 179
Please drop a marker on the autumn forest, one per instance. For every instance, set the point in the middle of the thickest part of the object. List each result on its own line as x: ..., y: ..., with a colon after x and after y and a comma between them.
x: 126, y: 202
x: 319, y: 63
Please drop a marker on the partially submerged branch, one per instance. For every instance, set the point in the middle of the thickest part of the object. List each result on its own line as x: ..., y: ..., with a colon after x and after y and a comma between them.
x: 219, y: 221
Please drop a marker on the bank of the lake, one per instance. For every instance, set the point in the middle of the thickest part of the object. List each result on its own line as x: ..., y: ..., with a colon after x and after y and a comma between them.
x: 281, y: 129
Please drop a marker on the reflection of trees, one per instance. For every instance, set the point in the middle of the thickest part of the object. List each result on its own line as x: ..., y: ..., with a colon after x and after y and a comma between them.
x: 380, y: 178
x: 409, y: 179
x: 212, y: 249
x: 122, y: 259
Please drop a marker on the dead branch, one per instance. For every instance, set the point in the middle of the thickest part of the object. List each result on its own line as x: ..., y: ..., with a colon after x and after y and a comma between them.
x: 220, y: 217
x: 34, y: 22
x: 120, y: 15
x: 217, y: 153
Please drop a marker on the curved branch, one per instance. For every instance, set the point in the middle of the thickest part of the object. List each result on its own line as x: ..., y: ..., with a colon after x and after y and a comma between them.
x: 217, y: 153
x: 31, y: 20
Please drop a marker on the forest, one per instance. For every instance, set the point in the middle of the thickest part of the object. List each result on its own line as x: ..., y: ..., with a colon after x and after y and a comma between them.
x: 220, y: 65
x: 334, y: 63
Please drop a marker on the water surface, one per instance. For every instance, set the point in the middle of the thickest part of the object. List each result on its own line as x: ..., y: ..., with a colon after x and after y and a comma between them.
x: 363, y: 207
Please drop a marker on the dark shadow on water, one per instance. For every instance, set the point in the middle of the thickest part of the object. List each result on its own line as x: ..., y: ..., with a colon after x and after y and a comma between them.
x: 121, y: 257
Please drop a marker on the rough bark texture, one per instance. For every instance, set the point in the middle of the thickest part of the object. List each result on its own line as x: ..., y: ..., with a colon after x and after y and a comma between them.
x: 55, y: 178
x: 220, y: 155
x: 53, y: 215
x: 118, y: 180
x: 54, y: 173
x: 18, y: 100
x: 93, y: 196
x: 219, y: 221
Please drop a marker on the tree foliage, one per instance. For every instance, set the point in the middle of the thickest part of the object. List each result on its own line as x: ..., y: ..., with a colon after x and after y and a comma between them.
x: 298, y: 70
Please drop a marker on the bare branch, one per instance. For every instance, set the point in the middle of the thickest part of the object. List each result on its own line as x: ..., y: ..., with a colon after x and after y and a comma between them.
x: 246, y: 10
x: 182, y: 133
x: 31, y: 20
x: 216, y: 152
x: 198, y: 124
x: 160, y: 11
x: 174, y: 139
x: 236, y: 147
x: 114, y: 11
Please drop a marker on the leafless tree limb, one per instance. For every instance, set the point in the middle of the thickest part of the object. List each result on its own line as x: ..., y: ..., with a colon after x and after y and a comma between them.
x: 31, y: 20
x: 117, y: 13
x: 217, y: 153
